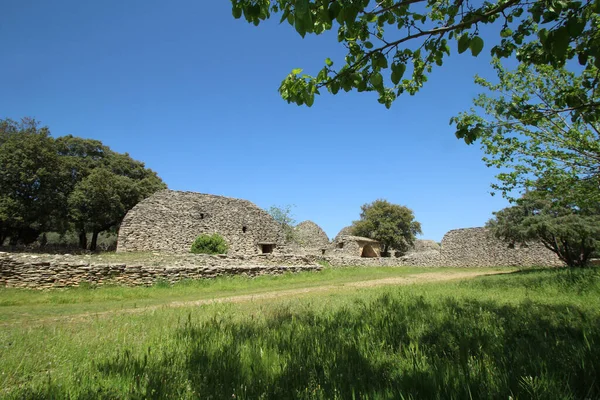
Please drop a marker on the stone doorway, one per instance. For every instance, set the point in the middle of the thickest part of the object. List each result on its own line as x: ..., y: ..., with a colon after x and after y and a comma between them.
x: 368, y: 251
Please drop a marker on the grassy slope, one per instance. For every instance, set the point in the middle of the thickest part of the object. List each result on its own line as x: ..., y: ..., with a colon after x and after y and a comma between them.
x: 528, y: 335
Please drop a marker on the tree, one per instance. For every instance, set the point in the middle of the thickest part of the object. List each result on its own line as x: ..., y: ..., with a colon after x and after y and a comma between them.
x: 388, y: 38
x: 392, y: 225
x: 571, y: 232
x: 49, y: 184
x: 28, y: 180
x: 540, y: 125
x: 284, y: 217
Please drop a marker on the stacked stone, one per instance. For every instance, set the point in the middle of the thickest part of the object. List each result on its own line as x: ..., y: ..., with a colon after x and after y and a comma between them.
x: 43, y: 272
x: 310, y: 237
x: 477, y: 247
x: 170, y: 221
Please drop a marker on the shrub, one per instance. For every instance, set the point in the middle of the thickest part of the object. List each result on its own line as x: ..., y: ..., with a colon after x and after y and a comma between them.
x: 209, y: 244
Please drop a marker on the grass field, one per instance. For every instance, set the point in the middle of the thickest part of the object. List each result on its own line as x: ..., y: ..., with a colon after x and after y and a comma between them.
x: 522, y: 335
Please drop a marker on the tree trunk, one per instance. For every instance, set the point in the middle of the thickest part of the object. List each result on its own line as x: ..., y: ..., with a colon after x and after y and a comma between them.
x: 94, y: 241
x: 82, y: 240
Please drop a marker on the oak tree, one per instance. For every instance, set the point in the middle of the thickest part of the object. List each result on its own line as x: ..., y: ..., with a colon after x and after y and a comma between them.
x: 392, y: 225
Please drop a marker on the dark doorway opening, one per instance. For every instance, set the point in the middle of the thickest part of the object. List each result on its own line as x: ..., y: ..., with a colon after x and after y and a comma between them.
x: 368, y: 251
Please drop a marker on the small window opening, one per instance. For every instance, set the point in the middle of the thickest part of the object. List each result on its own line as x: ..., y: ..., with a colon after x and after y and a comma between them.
x: 244, y: 229
x: 201, y: 215
x: 340, y: 245
x: 511, y: 245
x: 266, y: 248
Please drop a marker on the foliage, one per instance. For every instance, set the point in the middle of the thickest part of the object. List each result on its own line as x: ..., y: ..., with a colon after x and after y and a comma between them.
x: 394, y: 226
x: 28, y: 182
x: 209, y: 244
x: 63, y: 184
x: 387, y: 40
x: 528, y: 335
x: 572, y: 233
x: 284, y: 217
x: 539, y: 123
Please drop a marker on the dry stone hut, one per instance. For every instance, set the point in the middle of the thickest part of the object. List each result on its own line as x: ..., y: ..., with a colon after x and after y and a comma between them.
x: 477, y: 247
x: 345, y: 231
x: 423, y: 245
x: 356, y: 246
x: 169, y: 221
x: 310, y: 237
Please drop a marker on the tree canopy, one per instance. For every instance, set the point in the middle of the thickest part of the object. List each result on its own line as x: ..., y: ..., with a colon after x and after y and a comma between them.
x: 392, y: 45
x: 541, y: 126
x: 62, y: 184
x: 571, y: 232
x: 392, y: 225
x: 283, y: 216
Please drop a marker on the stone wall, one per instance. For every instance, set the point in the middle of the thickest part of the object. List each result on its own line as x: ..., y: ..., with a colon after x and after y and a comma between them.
x: 310, y: 236
x: 169, y: 221
x: 48, y: 271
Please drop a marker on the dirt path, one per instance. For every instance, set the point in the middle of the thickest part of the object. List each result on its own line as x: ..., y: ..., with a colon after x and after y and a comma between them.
x: 397, y: 281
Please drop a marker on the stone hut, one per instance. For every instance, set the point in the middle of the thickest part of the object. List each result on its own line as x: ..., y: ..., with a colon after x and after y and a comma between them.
x: 423, y: 245
x: 355, y: 246
x: 170, y: 221
x: 478, y: 247
x: 310, y: 237
x: 345, y: 231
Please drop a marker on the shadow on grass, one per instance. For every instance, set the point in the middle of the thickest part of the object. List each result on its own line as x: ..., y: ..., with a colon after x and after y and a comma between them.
x: 393, y: 347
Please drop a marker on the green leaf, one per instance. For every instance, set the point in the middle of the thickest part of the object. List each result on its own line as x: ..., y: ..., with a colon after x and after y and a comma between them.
x: 302, y: 8
x: 328, y: 62
x: 463, y: 43
x: 559, y: 42
x: 237, y: 12
x: 476, y: 46
x: 296, y: 71
x: 368, y: 45
x: 376, y: 80
x: 397, y: 72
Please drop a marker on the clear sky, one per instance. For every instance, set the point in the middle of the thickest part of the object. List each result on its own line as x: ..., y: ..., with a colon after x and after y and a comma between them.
x: 192, y: 92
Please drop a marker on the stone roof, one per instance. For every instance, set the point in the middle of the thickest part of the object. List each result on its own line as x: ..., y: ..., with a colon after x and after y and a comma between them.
x: 307, y: 234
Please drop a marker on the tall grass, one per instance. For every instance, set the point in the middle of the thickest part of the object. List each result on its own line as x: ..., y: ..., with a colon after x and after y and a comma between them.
x: 531, y: 335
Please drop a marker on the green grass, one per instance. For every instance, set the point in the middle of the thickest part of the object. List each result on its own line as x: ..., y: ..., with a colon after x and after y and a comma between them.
x: 25, y: 304
x: 526, y: 335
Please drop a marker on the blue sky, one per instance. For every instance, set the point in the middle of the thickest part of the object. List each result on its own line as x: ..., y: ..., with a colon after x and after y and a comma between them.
x: 191, y: 92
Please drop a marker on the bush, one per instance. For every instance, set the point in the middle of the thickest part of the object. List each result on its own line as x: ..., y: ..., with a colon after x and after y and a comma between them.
x: 209, y: 244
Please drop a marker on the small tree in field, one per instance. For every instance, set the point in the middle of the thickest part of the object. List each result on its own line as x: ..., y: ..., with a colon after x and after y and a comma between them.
x: 394, y: 226
x: 209, y: 244
x: 572, y: 233
x: 283, y: 216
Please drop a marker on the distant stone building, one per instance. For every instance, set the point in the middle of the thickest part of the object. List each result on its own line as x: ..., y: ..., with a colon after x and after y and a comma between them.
x: 422, y: 245
x: 170, y: 221
x: 345, y: 231
x: 478, y: 247
x: 310, y: 237
x: 355, y: 246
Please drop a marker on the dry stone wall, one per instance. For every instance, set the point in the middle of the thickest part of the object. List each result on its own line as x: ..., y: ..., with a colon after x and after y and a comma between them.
x: 169, y: 221
x: 48, y: 271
